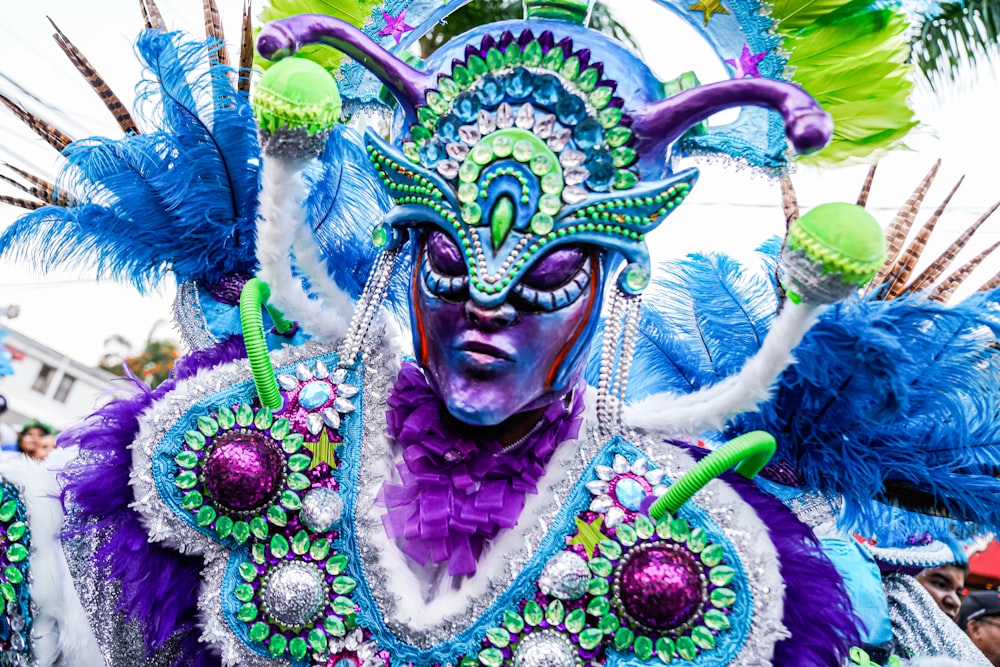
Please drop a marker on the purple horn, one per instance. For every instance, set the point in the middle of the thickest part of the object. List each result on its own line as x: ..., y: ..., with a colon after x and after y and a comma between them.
x: 807, y: 126
x: 282, y: 38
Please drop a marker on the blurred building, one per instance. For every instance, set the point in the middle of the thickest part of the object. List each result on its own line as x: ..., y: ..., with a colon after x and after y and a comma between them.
x: 48, y: 385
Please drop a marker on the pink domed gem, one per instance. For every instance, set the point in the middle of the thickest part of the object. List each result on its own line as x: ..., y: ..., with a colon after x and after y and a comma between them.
x: 660, y: 587
x: 243, y: 471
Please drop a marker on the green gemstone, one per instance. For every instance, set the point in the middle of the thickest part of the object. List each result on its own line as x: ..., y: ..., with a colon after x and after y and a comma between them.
x: 291, y: 500
x: 494, y: 59
x: 380, y: 236
x: 609, y: 624
x: 571, y: 68
x: 298, y: 648
x: 244, y: 414
x: 576, y: 620
x: 280, y: 428
x: 636, y: 278
x: 600, y: 97
x: 192, y: 500
x: 186, y: 459
x: 722, y: 597
x: 343, y: 585
x: 206, y: 515
x: 319, y: 549
x: 472, y: 213
x: 643, y: 647
x: 599, y: 607
x: 264, y: 418
x: 13, y: 575
x: 258, y: 554
x: 513, y: 621
x: 502, y: 220
x: 436, y: 102
x: 207, y: 425
x: 644, y: 528
x: 336, y: 564
x: 712, y: 555
x: 248, y: 571
x: 703, y: 638
x: 623, y: 156
x: 716, y: 620
x: 247, y: 613
x: 610, y: 549
x: 590, y: 638
x: 523, y: 150
x: 491, y: 657
x: 258, y: 632
x: 258, y: 527
x: 317, y: 639
x: 598, y: 586
x: 498, y: 637
x: 555, y: 612
x: 623, y: 639
x: 625, y: 179
x: 512, y: 56
x: 610, y: 117
x: 553, y: 60
x: 532, y: 55
x: 686, y: 648
x: 299, y: 462
x: 618, y: 136
x: 335, y: 626
x: 244, y: 592
x: 194, y: 440
x: 462, y: 76
x: 277, y: 645
x: 225, y: 417
x: 343, y: 606
x: 185, y: 480
x: 292, y: 443
x: 223, y: 527
x: 469, y: 171
x: 420, y: 133
x: 477, y: 66
x: 532, y: 613
x: 679, y: 529
x: 7, y: 591
x: 277, y: 516
x: 427, y: 118
x: 279, y: 546
x: 549, y: 204
x: 588, y: 79
x: 721, y: 575
x: 300, y: 542
x: 601, y: 566
x: 665, y: 650
x: 625, y: 534
x: 298, y: 482
x: 448, y: 88
x: 698, y: 540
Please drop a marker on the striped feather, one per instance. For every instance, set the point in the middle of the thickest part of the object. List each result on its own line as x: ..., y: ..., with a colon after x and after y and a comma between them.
x: 948, y: 286
x: 34, y: 191
x: 789, y: 202
x: 246, y: 51
x: 905, y: 265
x: 53, y: 194
x: 990, y: 284
x: 151, y: 15
x: 945, y: 259
x: 214, y: 31
x: 19, y: 202
x: 899, y: 228
x: 47, y: 131
x: 111, y: 101
x: 866, y: 188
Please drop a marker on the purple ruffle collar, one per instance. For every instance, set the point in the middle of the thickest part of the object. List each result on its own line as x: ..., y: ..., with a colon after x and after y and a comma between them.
x: 457, y: 492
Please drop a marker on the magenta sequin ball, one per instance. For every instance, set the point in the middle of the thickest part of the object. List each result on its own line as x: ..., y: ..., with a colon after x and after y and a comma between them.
x: 660, y: 586
x: 244, y: 470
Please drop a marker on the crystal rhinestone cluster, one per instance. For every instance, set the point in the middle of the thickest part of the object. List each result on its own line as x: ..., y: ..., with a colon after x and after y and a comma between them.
x: 656, y: 590
x: 15, y: 545
x: 262, y: 483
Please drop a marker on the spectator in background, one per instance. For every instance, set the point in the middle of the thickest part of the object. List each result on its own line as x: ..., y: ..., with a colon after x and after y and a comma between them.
x: 980, y: 618
x: 8, y: 436
x: 944, y: 584
x: 36, y: 439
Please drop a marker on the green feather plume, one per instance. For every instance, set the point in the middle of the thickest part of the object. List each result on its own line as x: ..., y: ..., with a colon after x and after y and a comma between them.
x: 355, y: 12
x: 854, y: 61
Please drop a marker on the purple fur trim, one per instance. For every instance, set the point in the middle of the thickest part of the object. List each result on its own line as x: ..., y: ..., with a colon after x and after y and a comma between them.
x: 159, y: 585
x: 818, y: 638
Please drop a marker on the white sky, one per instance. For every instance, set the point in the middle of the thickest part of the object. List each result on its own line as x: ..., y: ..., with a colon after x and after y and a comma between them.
x: 729, y: 210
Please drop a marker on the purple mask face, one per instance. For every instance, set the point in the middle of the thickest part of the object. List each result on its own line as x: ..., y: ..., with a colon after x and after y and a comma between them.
x: 490, y: 364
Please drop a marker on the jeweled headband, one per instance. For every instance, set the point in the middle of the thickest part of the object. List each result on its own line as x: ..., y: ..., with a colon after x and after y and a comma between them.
x: 525, y: 139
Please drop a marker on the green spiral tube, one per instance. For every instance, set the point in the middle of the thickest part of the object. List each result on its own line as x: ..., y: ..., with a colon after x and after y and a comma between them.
x: 749, y: 453
x: 252, y: 298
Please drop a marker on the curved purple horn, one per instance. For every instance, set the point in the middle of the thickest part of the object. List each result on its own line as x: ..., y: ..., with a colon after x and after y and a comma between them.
x: 807, y: 126
x: 282, y: 38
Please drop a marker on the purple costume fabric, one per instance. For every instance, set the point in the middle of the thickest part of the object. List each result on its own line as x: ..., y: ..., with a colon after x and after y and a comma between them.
x: 458, y: 491
x: 159, y: 587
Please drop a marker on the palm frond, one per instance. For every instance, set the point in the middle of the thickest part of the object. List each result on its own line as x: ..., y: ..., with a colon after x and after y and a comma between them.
x: 959, y: 34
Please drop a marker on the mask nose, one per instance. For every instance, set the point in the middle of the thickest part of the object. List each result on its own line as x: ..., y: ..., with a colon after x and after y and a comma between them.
x: 490, y: 319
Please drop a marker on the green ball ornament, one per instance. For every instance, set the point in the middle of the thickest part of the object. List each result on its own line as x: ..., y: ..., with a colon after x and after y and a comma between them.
x: 831, y: 251
x: 296, y: 93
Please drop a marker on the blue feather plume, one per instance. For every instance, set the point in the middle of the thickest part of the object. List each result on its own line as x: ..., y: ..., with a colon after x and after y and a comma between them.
x: 181, y: 197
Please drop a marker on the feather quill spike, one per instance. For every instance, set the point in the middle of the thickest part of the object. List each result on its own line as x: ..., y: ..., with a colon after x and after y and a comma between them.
x: 246, y: 51
x: 948, y: 286
x: 214, y: 31
x: 866, y: 187
x: 946, y: 258
x: 151, y: 14
x: 50, y: 193
x: 899, y: 228
x: 20, y: 202
x: 789, y: 202
x: 100, y: 86
x: 47, y: 131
